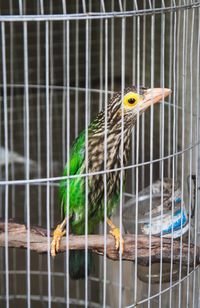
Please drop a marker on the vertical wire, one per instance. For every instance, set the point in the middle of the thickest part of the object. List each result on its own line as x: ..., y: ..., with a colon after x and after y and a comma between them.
x: 68, y: 159
x: 150, y: 4
x: 144, y: 47
x: 162, y: 145
x: 2, y: 198
x: 197, y: 161
x: 101, y: 64
x: 51, y: 72
x: 133, y: 170
x: 185, y: 86
x: 11, y: 113
x: 64, y: 91
x: 27, y: 154
x: 183, y: 146
x: 105, y: 165
x: 186, y: 62
x: 120, y: 5
x: 77, y: 71
x: 27, y: 161
x: 174, y: 150
x: 178, y: 50
x: 122, y: 152
x: 86, y: 152
x: 143, y: 83
x: 47, y: 157
x: 89, y: 113
x: 170, y: 98
x: 40, y: 8
x: 151, y: 149
x: 20, y: 7
x: 89, y: 66
x: 12, y: 166
x: 1, y: 191
x: 6, y: 159
x: 66, y: 139
x: 84, y: 6
x: 190, y: 152
x: 101, y: 228
x: 86, y: 157
x: 112, y: 48
x: 24, y: 120
x: 39, y: 118
x: 137, y: 161
x: 51, y: 145
x: 160, y: 111
x: 134, y: 83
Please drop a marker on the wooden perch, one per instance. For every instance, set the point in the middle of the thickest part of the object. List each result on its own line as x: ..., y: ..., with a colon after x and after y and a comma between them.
x: 17, y: 238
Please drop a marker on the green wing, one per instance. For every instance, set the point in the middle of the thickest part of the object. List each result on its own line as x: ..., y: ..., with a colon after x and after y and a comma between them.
x: 75, y: 185
x: 74, y: 188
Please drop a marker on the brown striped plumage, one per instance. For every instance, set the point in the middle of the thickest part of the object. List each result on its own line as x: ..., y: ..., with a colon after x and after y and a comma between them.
x: 96, y: 149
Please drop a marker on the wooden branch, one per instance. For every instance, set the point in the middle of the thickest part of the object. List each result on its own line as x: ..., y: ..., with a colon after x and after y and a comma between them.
x: 17, y: 238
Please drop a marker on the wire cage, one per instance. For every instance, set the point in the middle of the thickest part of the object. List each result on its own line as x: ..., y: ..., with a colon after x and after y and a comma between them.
x: 61, y: 63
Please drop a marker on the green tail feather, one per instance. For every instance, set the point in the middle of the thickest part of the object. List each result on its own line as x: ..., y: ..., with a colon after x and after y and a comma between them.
x: 77, y: 264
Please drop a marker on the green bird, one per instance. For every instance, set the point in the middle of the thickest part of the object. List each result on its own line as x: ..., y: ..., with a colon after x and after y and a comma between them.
x: 129, y: 104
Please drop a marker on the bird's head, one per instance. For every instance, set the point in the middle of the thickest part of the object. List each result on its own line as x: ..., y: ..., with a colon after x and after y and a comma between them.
x: 127, y: 106
x: 133, y: 102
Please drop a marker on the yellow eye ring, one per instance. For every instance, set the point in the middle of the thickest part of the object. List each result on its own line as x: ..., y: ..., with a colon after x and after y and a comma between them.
x: 131, y: 99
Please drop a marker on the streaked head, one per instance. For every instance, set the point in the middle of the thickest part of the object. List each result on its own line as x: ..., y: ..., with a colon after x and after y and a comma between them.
x: 134, y: 102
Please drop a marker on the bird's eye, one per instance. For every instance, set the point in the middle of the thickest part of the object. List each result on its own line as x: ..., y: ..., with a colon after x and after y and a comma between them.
x: 131, y: 99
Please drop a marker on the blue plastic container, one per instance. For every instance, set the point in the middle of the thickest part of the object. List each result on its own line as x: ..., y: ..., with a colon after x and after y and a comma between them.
x: 162, y: 215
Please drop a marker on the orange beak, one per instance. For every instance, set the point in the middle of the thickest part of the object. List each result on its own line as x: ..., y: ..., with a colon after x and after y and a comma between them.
x: 153, y: 96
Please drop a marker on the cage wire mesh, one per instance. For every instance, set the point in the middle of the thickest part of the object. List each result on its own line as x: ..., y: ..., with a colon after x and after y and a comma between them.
x: 61, y: 63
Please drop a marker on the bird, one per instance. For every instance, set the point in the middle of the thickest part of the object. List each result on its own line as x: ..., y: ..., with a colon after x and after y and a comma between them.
x: 129, y: 104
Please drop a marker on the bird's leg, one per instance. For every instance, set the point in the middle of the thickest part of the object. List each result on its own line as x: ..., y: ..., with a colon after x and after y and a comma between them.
x: 119, y: 241
x: 58, y: 233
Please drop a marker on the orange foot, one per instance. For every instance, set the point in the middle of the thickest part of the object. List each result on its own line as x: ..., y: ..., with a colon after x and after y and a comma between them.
x: 119, y: 241
x: 58, y: 233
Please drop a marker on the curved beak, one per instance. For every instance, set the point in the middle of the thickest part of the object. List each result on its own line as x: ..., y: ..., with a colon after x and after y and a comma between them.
x: 153, y: 96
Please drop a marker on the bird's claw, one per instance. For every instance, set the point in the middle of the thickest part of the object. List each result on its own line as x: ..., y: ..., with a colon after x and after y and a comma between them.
x: 119, y: 241
x: 55, y: 244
